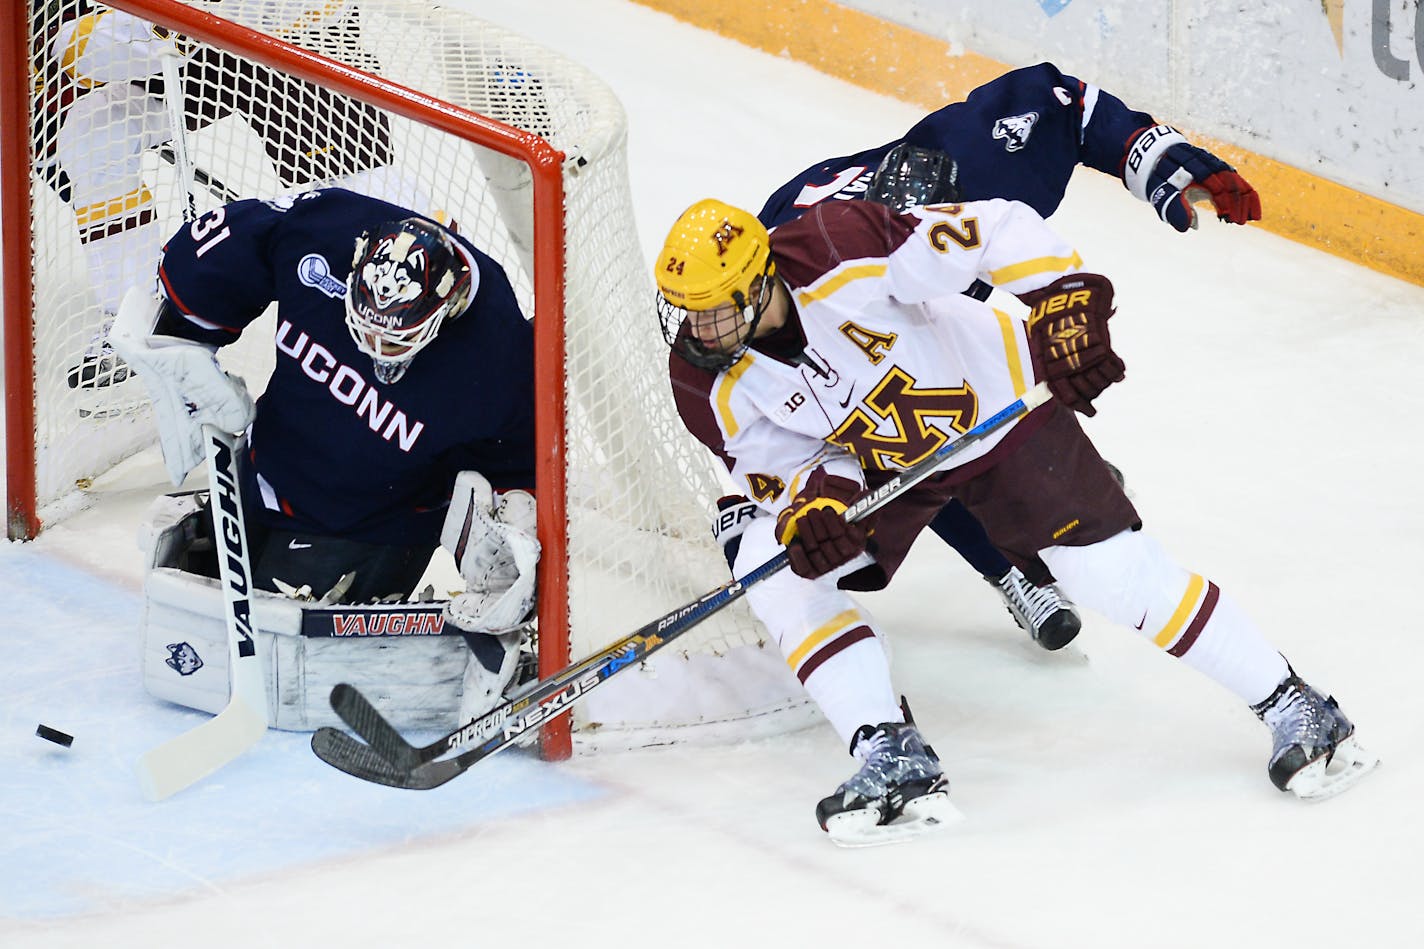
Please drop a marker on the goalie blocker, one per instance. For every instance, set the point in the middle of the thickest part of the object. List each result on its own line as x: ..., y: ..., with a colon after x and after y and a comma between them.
x: 425, y: 665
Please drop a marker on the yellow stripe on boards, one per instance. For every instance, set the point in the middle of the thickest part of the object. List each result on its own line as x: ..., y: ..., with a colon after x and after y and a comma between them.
x: 1183, y: 612
x: 897, y: 61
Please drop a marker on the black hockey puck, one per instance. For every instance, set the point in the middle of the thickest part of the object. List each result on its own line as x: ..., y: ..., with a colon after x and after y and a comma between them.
x: 54, y: 735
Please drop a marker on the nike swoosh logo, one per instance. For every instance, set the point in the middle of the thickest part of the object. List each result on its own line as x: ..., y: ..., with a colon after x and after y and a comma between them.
x: 849, y: 395
x: 1141, y: 621
x: 294, y: 545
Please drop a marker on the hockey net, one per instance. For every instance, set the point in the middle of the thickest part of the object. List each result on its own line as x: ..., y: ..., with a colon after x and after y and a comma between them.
x: 430, y: 108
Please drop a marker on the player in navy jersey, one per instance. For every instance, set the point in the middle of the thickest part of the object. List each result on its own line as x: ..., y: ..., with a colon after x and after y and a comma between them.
x: 1020, y: 137
x: 402, y: 359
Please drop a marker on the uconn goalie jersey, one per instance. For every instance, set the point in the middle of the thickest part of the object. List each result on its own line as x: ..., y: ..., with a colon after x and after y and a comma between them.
x: 883, y: 359
x: 1018, y: 137
x: 333, y: 451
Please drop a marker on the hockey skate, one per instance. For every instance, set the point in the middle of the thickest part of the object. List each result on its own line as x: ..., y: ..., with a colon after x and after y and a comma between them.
x: 1314, y: 754
x: 100, y: 366
x: 1042, y: 612
x: 899, y: 792
x: 99, y: 370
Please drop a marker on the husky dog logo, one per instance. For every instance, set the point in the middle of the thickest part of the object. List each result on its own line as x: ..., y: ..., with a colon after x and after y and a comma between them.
x: 396, y: 272
x: 183, y: 658
x: 1015, y: 130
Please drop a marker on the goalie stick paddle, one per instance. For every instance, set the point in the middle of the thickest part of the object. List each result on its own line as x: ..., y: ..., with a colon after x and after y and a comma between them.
x: 387, y: 758
x: 197, y: 753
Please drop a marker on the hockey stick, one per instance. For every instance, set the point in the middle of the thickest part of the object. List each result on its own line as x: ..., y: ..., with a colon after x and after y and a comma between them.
x: 173, y: 100
x: 215, y: 185
x: 389, y: 759
x: 197, y: 753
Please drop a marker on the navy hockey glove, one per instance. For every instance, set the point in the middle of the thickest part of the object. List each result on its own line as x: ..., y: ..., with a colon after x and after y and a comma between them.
x: 1171, y: 174
x: 1068, y: 332
x: 814, y: 529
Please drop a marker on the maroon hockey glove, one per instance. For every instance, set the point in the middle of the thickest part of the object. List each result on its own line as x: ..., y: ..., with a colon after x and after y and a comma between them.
x: 1068, y: 331
x: 813, y: 527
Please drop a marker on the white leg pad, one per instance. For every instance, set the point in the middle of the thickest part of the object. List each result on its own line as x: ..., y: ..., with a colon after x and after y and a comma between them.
x: 413, y: 679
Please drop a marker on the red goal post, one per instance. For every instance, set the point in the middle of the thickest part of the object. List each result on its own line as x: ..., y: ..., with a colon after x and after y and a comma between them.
x: 525, y: 150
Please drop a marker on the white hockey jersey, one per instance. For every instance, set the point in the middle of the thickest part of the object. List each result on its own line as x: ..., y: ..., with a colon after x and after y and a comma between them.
x: 896, y: 359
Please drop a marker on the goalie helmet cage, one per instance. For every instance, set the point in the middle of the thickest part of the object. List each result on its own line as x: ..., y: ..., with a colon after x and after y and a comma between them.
x: 432, y: 109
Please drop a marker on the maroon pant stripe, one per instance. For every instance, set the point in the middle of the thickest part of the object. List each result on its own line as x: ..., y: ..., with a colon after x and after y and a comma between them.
x: 848, y: 638
x: 1213, y: 593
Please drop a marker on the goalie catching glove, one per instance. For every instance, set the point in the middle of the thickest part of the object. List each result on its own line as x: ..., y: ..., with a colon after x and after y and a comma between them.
x: 1068, y: 332
x: 495, y: 549
x: 814, y: 529
x: 1171, y: 174
x: 182, y: 377
x: 496, y: 552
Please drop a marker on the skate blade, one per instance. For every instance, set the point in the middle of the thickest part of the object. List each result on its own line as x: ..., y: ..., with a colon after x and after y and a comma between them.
x: 927, y: 814
x: 1323, y: 779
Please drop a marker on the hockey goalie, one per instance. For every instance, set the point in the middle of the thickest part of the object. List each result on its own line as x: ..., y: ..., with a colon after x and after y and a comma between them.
x: 398, y: 418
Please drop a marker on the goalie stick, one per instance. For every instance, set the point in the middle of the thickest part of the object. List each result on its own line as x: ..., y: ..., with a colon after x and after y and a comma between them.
x: 387, y: 758
x: 215, y: 185
x: 178, y: 147
x: 197, y: 753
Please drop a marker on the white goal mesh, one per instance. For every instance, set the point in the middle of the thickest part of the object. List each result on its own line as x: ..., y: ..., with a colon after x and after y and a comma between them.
x: 105, y: 193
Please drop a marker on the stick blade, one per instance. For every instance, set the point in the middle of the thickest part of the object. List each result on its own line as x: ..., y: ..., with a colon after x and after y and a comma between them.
x: 365, y: 720
x: 357, y: 759
x: 198, y: 752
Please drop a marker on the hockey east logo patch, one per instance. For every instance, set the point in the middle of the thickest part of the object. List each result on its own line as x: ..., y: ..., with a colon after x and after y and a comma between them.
x: 183, y: 659
x: 315, y: 272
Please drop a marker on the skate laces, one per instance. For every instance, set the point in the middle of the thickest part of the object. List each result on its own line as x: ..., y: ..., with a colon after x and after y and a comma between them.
x: 1299, y: 715
x: 894, y: 754
x: 1031, y: 604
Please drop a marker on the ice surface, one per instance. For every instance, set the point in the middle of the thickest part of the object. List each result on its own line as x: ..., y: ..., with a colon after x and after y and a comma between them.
x: 1268, y: 432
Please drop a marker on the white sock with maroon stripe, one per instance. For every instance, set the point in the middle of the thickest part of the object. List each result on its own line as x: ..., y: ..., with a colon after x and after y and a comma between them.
x: 1232, y: 651
x: 1131, y: 580
x: 852, y: 686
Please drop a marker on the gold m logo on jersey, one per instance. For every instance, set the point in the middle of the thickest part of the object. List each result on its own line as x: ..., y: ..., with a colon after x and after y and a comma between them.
x: 896, y: 400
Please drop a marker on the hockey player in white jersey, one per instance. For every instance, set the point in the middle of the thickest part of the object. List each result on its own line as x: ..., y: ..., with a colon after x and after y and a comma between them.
x: 819, y: 359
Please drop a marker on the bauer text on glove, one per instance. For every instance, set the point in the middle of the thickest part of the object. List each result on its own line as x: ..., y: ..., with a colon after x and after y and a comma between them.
x: 1068, y: 332
x: 1165, y: 170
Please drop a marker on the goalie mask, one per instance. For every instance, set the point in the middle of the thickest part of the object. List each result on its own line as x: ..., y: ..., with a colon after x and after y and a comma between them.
x: 912, y: 177
x: 407, y: 278
x: 715, y: 278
